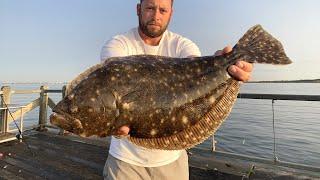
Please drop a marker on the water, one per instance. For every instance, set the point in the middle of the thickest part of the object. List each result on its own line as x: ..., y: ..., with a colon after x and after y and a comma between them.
x: 248, y: 130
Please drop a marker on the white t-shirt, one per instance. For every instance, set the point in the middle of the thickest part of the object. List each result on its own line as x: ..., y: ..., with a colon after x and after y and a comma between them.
x: 172, y: 45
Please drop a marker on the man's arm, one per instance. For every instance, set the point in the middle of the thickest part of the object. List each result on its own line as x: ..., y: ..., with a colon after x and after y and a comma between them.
x: 188, y: 49
x: 113, y: 48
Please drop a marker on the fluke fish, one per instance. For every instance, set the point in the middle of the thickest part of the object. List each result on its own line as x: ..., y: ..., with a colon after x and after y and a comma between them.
x: 168, y: 103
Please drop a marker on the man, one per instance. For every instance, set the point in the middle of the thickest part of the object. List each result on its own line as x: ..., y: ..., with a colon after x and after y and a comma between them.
x: 126, y: 160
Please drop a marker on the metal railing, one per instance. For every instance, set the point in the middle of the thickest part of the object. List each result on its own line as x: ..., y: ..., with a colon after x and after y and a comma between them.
x: 275, y: 161
x: 5, y: 128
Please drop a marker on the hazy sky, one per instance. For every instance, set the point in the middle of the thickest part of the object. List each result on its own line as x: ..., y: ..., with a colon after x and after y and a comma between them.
x: 54, y: 40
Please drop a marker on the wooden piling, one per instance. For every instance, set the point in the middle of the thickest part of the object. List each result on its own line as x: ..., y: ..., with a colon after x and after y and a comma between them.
x: 64, y: 91
x: 4, y: 114
x: 43, y: 108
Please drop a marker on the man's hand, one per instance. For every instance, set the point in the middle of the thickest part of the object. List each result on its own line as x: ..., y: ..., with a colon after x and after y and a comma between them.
x: 123, y: 131
x: 241, y: 70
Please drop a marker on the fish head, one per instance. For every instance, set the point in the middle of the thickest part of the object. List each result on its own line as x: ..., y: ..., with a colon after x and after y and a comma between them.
x: 87, y: 109
x: 64, y: 117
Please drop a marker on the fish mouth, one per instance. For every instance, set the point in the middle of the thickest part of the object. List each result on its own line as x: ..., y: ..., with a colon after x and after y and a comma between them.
x: 67, y: 122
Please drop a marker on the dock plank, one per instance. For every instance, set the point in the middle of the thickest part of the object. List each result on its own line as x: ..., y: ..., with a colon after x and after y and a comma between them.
x: 11, y: 172
x: 4, y: 137
x: 45, y: 155
x: 50, y: 160
x: 53, y: 163
x: 51, y: 156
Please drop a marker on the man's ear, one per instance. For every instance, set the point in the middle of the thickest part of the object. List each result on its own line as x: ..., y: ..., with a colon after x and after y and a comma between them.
x: 138, y: 9
x: 171, y: 12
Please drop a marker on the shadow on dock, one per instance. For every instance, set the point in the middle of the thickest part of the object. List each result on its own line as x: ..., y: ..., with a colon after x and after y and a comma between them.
x: 46, y: 155
x: 50, y: 156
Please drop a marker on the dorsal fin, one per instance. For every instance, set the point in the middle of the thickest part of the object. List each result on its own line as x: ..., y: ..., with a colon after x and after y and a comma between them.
x: 72, y: 84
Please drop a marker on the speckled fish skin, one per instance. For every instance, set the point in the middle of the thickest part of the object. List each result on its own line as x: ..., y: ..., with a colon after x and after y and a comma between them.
x: 168, y: 103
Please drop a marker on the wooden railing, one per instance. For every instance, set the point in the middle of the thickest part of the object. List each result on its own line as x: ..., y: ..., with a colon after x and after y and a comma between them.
x: 43, y: 102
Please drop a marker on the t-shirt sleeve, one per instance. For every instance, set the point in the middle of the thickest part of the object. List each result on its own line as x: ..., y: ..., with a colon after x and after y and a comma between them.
x: 188, y: 48
x: 114, y: 47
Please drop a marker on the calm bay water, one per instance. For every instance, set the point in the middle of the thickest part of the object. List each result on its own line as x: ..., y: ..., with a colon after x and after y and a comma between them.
x: 248, y: 130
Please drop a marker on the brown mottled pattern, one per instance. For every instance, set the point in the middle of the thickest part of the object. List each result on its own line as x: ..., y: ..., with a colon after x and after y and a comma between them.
x: 168, y: 103
x: 199, y: 132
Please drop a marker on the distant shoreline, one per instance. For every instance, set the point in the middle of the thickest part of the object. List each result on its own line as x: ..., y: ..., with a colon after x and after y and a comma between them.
x: 289, y: 81
x: 33, y: 83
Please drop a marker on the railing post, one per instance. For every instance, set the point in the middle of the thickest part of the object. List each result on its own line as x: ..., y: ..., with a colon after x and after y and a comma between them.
x: 213, y: 143
x: 64, y: 91
x: 43, y: 108
x: 4, y: 114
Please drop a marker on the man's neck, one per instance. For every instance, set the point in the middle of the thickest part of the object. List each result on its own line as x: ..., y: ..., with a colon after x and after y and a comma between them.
x: 149, y: 40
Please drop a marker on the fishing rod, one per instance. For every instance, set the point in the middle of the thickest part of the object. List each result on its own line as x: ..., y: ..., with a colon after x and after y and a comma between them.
x: 19, y: 135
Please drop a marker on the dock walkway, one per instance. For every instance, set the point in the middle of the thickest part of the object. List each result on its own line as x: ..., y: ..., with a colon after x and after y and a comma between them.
x: 45, y: 155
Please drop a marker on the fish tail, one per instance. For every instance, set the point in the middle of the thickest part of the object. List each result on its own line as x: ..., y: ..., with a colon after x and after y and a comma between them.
x: 258, y: 46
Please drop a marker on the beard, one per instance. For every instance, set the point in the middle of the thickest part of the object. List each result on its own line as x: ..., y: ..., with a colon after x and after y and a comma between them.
x: 151, y: 32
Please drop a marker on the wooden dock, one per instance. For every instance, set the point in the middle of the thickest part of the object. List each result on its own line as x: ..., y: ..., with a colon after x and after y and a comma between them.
x: 45, y: 155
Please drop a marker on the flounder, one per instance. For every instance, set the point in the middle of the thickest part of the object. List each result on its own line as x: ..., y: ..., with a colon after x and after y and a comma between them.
x: 168, y: 103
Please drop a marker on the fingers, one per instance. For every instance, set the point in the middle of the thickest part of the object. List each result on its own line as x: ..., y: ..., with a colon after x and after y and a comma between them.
x: 123, y: 131
x: 218, y: 53
x: 238, y: 73
x: 245, y: 66
x: 241, y: 71
x: 225, y: 50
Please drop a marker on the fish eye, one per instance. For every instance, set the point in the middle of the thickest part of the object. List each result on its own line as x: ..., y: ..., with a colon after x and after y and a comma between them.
x: 102, y: 109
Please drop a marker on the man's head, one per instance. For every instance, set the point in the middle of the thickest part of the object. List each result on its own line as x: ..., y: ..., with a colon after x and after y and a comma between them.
x: 154, y: 16
x: 171, y: 2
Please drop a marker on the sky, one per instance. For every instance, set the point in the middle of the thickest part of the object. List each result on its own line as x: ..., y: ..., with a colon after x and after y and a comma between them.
x: 55, y: 40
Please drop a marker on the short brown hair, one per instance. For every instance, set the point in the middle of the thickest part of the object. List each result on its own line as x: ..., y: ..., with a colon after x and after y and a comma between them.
x: 171, y: 2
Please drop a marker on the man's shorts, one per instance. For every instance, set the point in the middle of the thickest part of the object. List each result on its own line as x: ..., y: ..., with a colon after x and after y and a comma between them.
x: 116, y: 169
